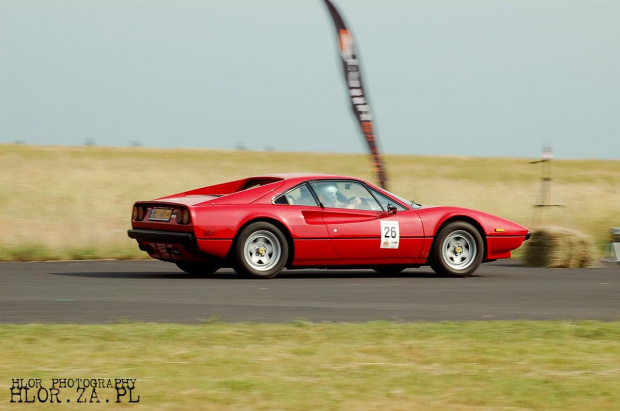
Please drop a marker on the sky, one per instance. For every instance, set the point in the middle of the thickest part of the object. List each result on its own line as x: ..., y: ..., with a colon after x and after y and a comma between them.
x: 443, y: 77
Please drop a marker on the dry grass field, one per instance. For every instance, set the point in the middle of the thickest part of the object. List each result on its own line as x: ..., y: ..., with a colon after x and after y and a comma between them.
x: 75, y: 202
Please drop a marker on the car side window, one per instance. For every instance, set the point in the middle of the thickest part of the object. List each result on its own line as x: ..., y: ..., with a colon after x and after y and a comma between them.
x: 298, y: 196
x: 345, y: 194
x: 384, y: 201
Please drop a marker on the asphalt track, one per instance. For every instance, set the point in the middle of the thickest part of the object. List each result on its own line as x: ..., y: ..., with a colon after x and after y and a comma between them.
x: 152, y: 291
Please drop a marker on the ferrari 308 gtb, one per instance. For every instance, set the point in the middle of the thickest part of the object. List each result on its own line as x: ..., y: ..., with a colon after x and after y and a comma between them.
x: 261, y: 225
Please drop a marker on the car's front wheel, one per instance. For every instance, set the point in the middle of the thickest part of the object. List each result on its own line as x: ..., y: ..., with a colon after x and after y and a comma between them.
x: 198, y: 269
x: 458, y: 250
x: 261, y: 251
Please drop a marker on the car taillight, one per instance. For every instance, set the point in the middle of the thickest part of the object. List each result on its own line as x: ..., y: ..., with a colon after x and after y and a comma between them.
x: 138, y: 213
x: 183, y: 217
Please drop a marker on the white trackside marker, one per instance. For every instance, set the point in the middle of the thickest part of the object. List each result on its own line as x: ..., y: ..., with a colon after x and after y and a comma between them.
x: 390, y: 234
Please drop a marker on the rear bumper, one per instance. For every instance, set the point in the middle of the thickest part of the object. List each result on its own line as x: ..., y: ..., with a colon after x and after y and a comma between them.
x: 528, y: 236
x: 175, y: 246
x: 162, y: 236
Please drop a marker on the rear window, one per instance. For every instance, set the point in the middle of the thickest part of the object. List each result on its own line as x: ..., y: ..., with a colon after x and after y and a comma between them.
x: 297, y: 196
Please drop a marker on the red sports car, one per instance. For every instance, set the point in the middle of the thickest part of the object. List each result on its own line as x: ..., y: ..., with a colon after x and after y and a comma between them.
x: 261, y: 225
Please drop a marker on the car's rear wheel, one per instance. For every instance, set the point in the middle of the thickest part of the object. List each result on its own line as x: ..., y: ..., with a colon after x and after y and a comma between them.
x: 458, y: 250
x: 261, y: 251
x: 198, y: 269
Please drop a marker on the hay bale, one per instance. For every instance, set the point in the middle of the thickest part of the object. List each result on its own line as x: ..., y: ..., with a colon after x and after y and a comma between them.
x: 558, y: 247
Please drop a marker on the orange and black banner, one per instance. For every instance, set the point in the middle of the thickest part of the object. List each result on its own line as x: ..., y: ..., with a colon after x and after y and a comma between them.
x: 353, y: 78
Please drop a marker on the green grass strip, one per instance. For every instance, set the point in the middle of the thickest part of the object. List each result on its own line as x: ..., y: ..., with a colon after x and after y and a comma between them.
x: 329, y: 366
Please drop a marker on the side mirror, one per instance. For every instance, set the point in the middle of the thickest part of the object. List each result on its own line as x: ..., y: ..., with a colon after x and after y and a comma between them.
x: 391, y: 208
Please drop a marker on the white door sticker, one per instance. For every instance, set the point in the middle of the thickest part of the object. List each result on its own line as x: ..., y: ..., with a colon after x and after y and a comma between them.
x: 390, y: 234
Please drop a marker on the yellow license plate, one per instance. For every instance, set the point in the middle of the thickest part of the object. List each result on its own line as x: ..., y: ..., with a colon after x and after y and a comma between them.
x: 160, y: 214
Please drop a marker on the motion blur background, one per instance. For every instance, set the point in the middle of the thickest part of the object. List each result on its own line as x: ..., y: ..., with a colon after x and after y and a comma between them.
x: 114, y: 101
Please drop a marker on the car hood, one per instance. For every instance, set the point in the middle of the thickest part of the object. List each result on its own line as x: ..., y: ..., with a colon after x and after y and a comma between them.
x: 434, y: 216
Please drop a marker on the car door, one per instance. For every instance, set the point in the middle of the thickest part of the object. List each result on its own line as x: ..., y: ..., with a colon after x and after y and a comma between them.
x: 304, y: 218
x: 362, y: 229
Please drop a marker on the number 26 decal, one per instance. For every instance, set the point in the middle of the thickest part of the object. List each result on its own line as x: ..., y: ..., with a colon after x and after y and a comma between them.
x: 390, y: 234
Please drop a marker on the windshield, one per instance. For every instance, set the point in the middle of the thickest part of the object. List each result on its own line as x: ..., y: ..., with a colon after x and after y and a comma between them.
x: 404, y: 200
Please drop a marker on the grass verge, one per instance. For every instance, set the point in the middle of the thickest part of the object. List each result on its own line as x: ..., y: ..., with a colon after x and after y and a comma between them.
x: 307, y: 366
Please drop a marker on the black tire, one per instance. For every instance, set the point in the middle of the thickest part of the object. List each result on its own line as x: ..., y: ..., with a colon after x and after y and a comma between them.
x: 458, y: 250
x: 389, y: 269
x: 436, y: 268
x: 261, y: 251
x: 198, y: 269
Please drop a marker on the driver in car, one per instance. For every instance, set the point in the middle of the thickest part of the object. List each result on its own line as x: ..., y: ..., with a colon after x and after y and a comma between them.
x: 330, y: 196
